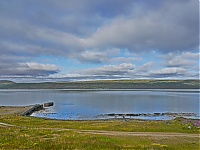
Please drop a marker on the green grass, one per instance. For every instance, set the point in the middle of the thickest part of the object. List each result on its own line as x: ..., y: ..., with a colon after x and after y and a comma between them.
x: 35, y: 133
x: 113, y: 125
x: 30, y: 138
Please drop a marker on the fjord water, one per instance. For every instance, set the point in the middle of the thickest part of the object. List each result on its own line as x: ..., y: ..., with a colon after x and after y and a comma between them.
x: 92, y: 104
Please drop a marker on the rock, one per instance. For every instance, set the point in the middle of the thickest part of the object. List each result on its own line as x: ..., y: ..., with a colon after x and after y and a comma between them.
x: 48, y: 104
x: 157, y: 114
x: 28, y: 112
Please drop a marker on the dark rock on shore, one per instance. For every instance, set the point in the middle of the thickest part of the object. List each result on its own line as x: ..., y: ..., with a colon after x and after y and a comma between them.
x: 36, y: 107
x: 48, y: 104
x: 152, y: 115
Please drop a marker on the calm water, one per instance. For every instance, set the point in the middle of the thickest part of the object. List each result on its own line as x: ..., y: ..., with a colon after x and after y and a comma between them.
x: 80, y: 105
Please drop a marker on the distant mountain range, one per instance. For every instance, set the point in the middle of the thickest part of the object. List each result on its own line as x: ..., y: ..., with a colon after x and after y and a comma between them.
x: 106, y: 84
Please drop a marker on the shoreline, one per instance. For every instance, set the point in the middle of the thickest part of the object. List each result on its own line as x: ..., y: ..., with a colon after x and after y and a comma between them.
x: 20, y: 131
x: 108, y: 89
x: 6, y: 110
x: 117, y: 119
x: 20, y: 110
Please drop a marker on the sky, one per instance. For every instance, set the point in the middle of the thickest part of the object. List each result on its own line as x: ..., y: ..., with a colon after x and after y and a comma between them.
x: 73, y: 40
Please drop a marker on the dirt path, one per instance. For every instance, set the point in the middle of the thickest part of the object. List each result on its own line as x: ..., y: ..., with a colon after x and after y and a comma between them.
x: 6, y: 125
x: 114, y: 133
x: 5, y: 110
x: 155, y: 134
x: 121, y: 133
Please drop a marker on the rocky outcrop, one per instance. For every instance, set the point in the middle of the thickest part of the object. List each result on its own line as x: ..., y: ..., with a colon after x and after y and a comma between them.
x: 36, y: 107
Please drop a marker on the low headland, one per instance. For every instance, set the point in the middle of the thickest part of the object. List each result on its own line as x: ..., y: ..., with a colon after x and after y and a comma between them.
x: 106, y: 84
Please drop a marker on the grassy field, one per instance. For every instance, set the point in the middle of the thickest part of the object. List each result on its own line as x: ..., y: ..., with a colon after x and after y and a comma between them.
x: 17, y: 132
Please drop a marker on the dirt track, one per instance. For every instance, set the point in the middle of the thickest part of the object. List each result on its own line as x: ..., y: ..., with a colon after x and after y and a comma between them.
x: 5, y: 110
x: 154, y: 134
x: 114, y: 133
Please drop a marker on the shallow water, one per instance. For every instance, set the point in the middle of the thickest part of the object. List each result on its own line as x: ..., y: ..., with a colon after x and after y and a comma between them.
x: 93, y: 104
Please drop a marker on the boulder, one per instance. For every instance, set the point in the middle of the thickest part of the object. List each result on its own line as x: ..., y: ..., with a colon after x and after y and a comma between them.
x: 48, y: 104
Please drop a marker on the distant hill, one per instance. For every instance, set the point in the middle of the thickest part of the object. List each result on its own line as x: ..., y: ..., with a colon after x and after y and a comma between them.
x: 6, y: 82
x: 105, y: 84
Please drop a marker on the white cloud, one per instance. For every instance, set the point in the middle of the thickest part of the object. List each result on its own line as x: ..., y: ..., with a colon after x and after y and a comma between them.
x: 184, y: 60
x: 128, y: 71
x: 121, y: 70
x: 124, y: 59
x: 165, y: 29
x: 37, y: 66
x: 31, y: 69
x: 174, y: 71
x: 99, y: 32
x: 144, y: 68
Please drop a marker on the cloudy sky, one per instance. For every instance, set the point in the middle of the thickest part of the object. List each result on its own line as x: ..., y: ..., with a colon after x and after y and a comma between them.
x: 67, y: 40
